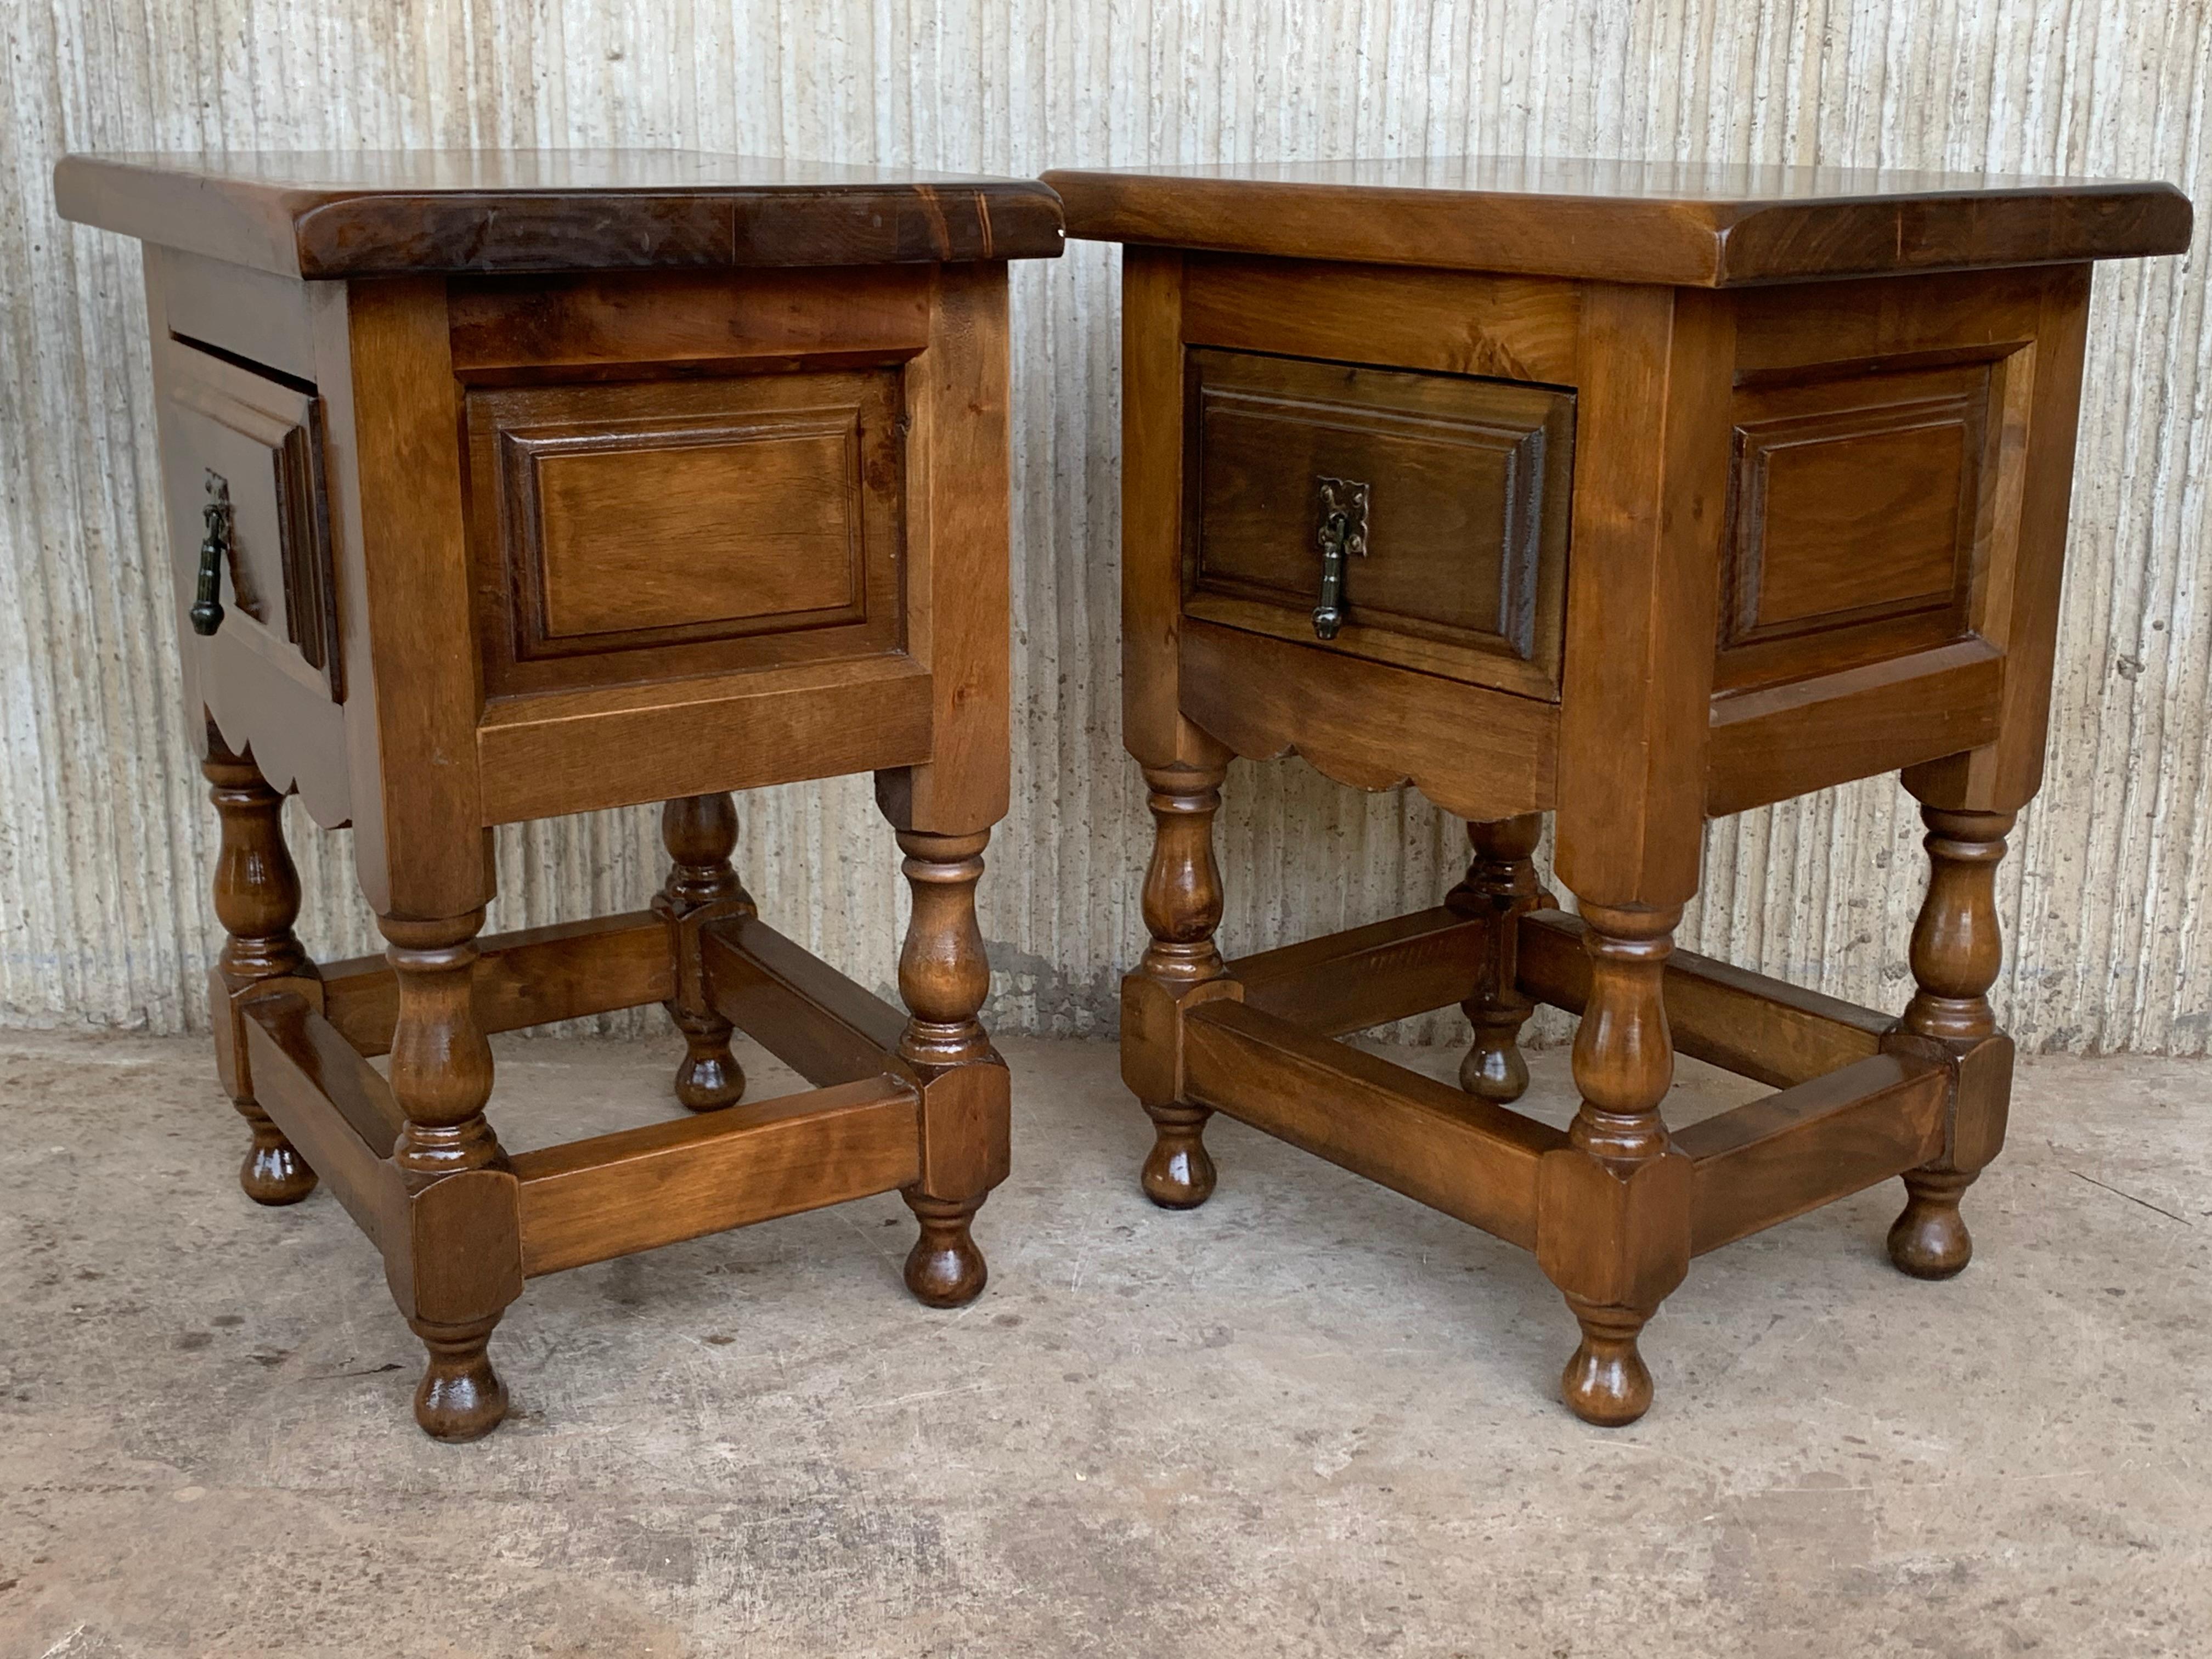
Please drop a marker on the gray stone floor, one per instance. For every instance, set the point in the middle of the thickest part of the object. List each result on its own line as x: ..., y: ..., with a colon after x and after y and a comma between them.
x: 1311, y: 1418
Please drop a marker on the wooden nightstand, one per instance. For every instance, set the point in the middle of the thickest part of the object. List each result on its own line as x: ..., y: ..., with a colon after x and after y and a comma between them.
x: 1638, y: 494
x: 506, y: 485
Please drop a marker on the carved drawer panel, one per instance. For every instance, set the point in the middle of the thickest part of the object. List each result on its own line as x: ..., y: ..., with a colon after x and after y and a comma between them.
x: 249, y: 517
x: 1413, y: 519
x: 1863, y: 506
x: 659, y: 529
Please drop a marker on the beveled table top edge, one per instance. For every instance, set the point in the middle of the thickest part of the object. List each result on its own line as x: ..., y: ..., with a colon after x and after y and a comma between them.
x: 1716, y: 225
x: 336, y: 215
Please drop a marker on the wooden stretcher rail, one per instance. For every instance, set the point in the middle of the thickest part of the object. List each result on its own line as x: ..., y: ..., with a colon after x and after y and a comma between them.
x: 798, y: 1007
x: 1744, y: 1023
x: 1773, y: 1158
x: 333, y: 1106
x: 1367, y: 975
x: 530, y: 977
x: 638, y: 1189
x: 1427, y: 1139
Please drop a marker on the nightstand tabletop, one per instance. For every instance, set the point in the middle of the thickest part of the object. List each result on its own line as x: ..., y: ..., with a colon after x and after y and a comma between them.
x: 1693, y: 224
x: 382, y: 213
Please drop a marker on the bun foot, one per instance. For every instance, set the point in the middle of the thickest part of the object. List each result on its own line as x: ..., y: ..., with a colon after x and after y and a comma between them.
x: 709, y: 1077
x: 273, y: 1173
x: 1178, y: 1173
x: 460, y: 1396
x: 944, y: 1269
x: 1606, y: 1382
x: 1494, y: 1070
x: 1929, y: 1240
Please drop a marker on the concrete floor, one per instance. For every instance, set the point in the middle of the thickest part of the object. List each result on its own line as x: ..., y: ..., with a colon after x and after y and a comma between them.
x: 1311, y: 1418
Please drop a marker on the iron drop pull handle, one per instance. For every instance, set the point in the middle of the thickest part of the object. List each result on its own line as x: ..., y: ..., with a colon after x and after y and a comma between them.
x: 214, y: 551
x: 1342, y: 535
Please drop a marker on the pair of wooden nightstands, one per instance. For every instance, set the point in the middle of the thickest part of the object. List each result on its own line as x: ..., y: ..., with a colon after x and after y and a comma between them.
x: 504, y: 486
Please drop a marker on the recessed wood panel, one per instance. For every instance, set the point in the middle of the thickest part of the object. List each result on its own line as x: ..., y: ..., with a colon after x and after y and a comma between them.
x: 716, y: 521
x: 653, y: 530
x: 1466, y: 499
x: 1860, y: 507
x: 1821, y: 488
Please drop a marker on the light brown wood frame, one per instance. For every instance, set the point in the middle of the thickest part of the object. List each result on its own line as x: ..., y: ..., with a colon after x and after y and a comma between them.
x: 1849, y: 1110
x: 522, y: 479
x: 1816, y: 535
x: 864, y: 1128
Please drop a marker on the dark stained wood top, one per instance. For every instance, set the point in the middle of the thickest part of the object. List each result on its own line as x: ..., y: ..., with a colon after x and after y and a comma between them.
x: 388, y: 213
x: 1699, y: 225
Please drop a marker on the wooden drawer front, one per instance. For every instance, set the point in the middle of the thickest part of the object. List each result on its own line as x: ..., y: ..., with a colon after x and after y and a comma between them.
x: 664, y: 529
x: 1467, y: 495
x: 253, y: 446
x: 1864, y: 510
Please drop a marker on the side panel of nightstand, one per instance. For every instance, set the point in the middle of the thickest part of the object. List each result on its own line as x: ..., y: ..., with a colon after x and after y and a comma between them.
x: 257, y: 688
x: 1963, y: 668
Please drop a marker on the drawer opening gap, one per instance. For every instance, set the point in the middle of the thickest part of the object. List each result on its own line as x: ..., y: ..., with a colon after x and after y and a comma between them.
x: 292, y: 382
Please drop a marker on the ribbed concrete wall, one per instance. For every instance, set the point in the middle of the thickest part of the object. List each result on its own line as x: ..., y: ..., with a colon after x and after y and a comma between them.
x: 104, y: 837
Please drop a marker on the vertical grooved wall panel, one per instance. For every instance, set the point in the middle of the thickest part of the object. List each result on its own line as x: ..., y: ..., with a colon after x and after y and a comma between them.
x: 103, y: 833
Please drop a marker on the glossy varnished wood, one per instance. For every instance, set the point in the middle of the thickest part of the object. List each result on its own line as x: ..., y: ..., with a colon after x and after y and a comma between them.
x: 1821, y: 428
x: 1363, y: 976
x: 1499, y: 888
x: 1463, y: 556
x: 1181, y: 966
x: 660, y: 530
x: 1833, y: 1134
x: 806, y: 1013
x: 257, y: 899
x: 537, y: 482
x: 259, y: 441
x: 1507, y: 328
x: 1368, y: 724
x: 943, y: 979
x: 1748, y: 1023
x: 304, y: 1062
x: 618, y: 745
x: 369, y: 213
x: 1435, y: 1143
x: 580, y: 327
x: 1956, y: 953
x: 701, y: 832
x: 1697, y: 224
x: 637, y: 1189
x: 533, y: 976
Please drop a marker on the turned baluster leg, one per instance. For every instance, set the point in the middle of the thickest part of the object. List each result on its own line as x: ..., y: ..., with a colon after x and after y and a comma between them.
x: 701, y: 832
x: 1956, y: 953
x: 442, y: 1076
x: 257, y: 898
x: 944, y: 977
x: 1182, y: 901
x: 1500, y: 887
x: 1613, y: 1228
